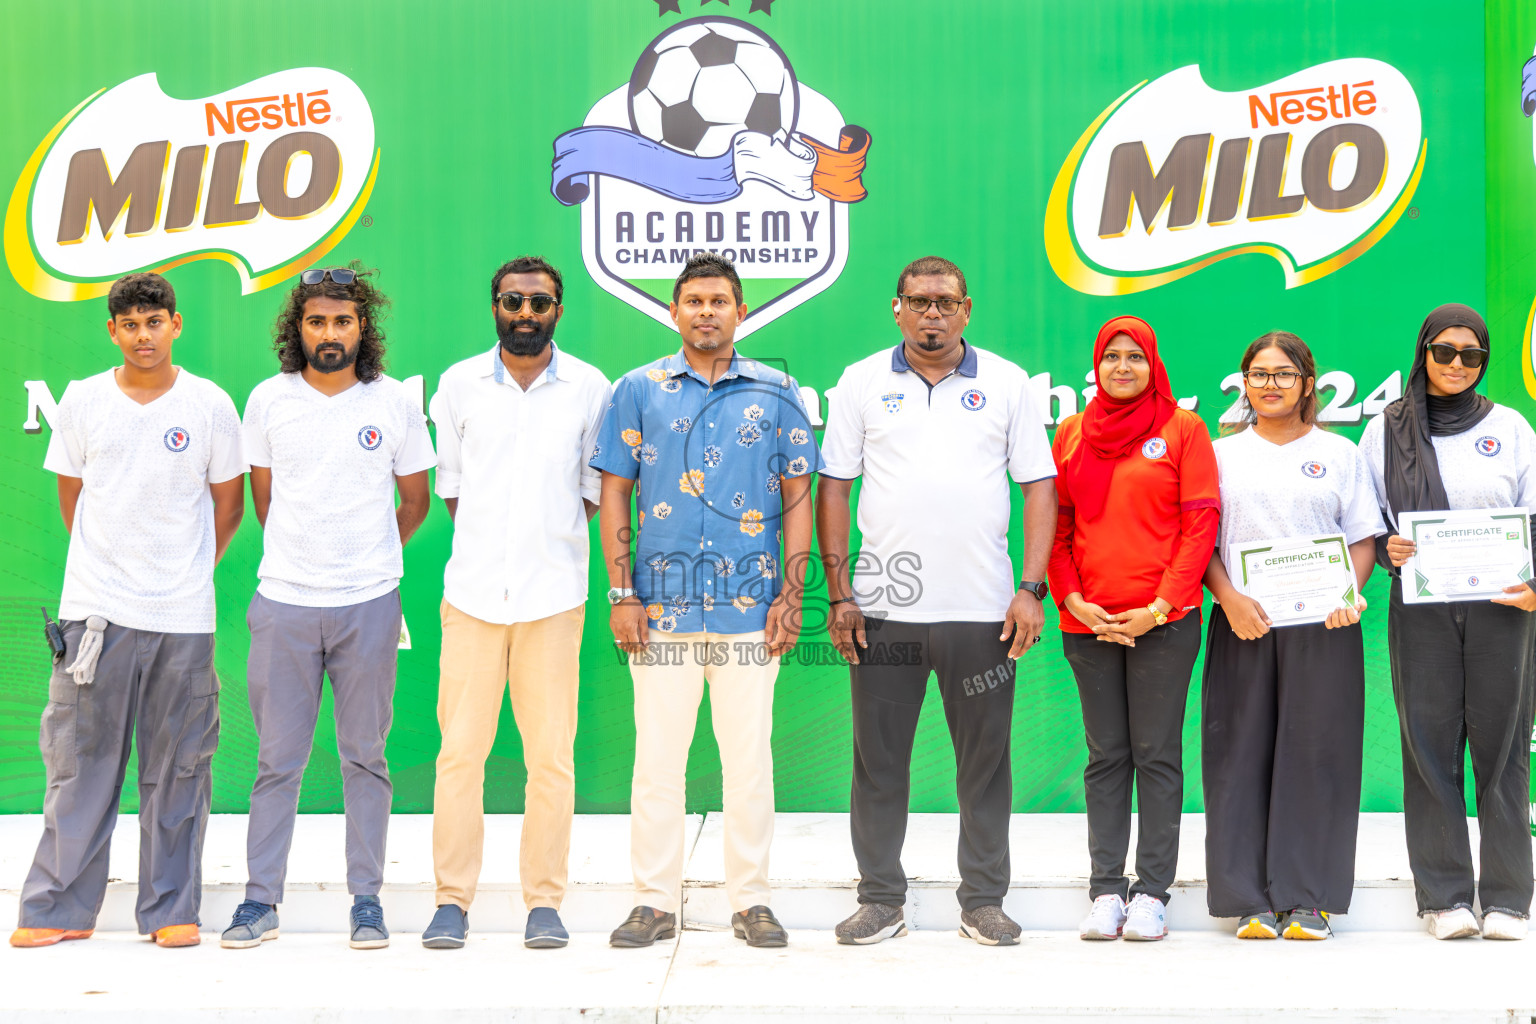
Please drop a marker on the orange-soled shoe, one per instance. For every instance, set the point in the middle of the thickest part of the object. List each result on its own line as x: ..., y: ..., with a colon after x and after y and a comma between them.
x: 173, y: 935
x: 26, y: 938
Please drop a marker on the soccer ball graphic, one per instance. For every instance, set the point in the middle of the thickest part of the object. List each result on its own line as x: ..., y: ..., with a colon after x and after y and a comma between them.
x: 700, y: 83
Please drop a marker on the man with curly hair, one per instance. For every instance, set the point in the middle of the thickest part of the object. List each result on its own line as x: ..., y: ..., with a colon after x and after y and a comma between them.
x: 331, y: 441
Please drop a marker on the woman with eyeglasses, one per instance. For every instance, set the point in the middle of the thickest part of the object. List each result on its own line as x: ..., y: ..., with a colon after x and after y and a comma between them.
x: 1462, y: 673
x: 1283, y: 707
x: 1138, y: 514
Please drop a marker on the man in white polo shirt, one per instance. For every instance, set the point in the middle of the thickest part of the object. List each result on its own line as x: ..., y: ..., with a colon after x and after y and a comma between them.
x: 513, y: 427
x: 152, y: 487
x: 330, y: 440
x: 935, y: 427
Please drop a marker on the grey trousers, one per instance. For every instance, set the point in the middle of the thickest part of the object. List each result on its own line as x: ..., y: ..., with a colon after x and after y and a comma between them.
x: 293, y: 649
x: 154, y: 690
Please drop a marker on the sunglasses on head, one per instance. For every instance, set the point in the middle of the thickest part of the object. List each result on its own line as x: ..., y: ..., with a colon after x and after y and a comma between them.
x: 1445, y: 354
x: 513, y: 301
x: 341, y: 275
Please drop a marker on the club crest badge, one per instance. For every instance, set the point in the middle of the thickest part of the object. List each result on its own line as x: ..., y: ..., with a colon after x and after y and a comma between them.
x: 1154, y: 448
x: 714, y: 143
x: 1313, y: 469
x: 370, y: 438
x: 177, y: 439
x: 893, y: 401
x: 1489, y: 446
x: 973, y: 400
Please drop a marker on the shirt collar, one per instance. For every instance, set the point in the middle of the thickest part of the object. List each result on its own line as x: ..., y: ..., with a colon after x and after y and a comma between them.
x: 677, y: 366
x: 551, y: 372
x: 967, y: 367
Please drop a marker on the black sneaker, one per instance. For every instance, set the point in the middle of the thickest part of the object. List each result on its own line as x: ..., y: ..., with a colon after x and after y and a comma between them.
x: 644, y: 926
x: 759, y: 927
x: 871, y: 923
x: 989, y: 926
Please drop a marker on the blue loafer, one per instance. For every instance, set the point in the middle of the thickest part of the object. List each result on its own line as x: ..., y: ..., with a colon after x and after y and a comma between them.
x: 448, y: 930
x: 544, y: 929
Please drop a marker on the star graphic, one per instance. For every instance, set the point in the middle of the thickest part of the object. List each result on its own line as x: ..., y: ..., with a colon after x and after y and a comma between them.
x: 762, y: 5
x: 667, y: 7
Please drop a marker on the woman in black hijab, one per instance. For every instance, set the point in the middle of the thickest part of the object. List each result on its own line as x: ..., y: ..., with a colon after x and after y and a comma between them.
x: 1463, y: 673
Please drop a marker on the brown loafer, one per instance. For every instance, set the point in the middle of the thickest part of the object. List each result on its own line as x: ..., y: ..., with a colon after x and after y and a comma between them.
x: 759, y: 927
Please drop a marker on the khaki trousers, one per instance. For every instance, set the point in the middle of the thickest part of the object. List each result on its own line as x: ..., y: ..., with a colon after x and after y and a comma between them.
x: 540, y: 661
x: 667, y: 699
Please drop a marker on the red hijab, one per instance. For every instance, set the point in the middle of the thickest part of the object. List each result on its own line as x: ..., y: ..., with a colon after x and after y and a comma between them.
x: 1112, y: 427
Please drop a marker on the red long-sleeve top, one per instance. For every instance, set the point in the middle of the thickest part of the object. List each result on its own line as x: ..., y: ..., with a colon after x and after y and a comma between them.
x: 1155, y: 535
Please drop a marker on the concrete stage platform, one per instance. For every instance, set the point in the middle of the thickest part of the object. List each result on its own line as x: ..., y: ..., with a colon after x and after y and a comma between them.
x: 1381, y: 966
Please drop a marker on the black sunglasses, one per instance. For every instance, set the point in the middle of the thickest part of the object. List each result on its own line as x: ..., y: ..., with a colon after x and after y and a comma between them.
x: 341, y: 275
x: 513, y: 301
x: 1444, y: 354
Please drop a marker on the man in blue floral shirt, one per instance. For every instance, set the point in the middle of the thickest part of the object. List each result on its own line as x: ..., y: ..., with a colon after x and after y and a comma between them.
x: 716, y: 452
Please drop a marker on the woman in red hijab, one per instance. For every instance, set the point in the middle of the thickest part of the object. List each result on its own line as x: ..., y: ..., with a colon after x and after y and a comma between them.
x: 1140, y: 503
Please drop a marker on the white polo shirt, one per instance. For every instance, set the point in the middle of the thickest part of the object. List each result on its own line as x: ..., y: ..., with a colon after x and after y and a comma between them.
x: 1314, y: 485
x: 1488, y: 466
x: 331, y: 537
x: 935, y: 462
x: 516, y: 461
x: 141, y: 553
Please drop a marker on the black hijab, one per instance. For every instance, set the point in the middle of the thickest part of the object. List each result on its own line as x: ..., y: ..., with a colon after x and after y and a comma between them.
x: 1411, y: 469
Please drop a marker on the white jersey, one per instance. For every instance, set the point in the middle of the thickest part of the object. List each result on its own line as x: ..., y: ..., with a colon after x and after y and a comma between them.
x: 1489, y: 466
x: 1317, y: 484
x: 935, y: 463
x: 331, y: 538
x: 141, y: 552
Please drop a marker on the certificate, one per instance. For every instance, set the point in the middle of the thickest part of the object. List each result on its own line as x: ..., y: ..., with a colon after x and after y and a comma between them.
x: 1465, y: 555
x: 1297, y: 580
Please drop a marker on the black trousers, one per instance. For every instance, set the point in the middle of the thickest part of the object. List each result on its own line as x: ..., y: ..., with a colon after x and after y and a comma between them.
x: 1133, y: 717
x: 1284, y: 732
x: 976, y: 679
x: 1462, y: 676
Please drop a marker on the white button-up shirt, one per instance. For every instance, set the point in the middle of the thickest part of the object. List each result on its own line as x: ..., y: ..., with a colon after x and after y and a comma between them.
x: 515, y: 460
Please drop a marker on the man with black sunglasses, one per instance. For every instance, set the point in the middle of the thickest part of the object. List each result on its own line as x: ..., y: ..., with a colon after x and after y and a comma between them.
x: 513, y: 425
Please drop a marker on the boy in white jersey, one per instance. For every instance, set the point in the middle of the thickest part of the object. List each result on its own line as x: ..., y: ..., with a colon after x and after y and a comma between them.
x: 331, y: 439
x: 151, y: 487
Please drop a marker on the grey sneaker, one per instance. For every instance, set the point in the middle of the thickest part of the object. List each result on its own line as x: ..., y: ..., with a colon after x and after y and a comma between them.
x: 1306, y: 923
x: 989, y: 926
x: 871, y: 923
x: 1263, y: 925
x: 368, y: 931
x: 254, y: 923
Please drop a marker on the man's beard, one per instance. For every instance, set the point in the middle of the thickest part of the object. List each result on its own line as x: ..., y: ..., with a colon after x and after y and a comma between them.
x: 929, y: 344
x: 330, y: 357
x: 531, y: 343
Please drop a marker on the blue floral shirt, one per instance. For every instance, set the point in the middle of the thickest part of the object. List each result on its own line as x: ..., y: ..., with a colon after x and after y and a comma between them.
x: 709, y: 460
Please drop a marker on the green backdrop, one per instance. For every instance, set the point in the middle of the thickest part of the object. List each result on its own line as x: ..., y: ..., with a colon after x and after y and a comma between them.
x: 972, y: 108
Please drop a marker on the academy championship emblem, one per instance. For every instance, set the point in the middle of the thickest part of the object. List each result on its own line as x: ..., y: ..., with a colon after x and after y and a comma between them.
x: 1472, y: 581
x: 893, y: 401
x: 1154, y: 448
x: 370, y: 438
x: 1489, y: 446
x: 973, y: 400
x: 177, y: 439
x: 1315, y: 470
x: 1312, y: 169
x: 266, y: 176
x: 713, y: 144
x: 1301, y: 606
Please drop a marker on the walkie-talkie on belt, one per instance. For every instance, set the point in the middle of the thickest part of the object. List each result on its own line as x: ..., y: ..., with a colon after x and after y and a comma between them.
x: 54, y: 633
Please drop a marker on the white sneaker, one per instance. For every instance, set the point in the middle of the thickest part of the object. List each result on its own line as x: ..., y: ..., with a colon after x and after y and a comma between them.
x: 1456, y: 923
x: 1499, y: 925
x: 1105, y: 920
x: 1144, y: 919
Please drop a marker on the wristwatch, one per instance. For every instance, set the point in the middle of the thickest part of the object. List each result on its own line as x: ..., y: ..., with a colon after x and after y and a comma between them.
x: 1158, y: 617
x: 617, y: 594
x: 1038, y: 589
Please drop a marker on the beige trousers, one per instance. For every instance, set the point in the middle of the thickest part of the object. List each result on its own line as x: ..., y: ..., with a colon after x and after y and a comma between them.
x: 540, y: 661
x: 667, y: 699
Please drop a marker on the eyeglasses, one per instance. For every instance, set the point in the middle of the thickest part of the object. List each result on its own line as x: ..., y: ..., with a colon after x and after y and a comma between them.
x: 1285, y: 379
x: 513, y: 301
x: 1445, y: 354
x: 920, y: 304
x: 341, y: 275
